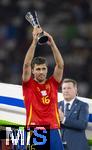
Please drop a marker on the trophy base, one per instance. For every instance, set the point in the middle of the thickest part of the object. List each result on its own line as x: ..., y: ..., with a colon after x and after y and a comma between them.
x: 42, y: 40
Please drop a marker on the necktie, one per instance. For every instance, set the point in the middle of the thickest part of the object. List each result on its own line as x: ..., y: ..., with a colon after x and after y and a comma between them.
x: 67, y: 109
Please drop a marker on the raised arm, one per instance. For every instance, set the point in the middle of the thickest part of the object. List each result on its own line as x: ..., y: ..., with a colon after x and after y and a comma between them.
x: 30, y: 54
x: 58, y: 71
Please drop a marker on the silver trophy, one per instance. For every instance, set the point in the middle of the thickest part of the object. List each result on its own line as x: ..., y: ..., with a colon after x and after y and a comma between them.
x: 33, y: 20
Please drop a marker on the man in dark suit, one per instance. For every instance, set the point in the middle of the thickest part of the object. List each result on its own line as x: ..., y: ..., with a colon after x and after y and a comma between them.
x: 74, y: 117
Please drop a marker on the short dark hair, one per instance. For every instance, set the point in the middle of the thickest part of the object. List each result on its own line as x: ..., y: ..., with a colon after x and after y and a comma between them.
x: 38, y: 60
x: 66, y: 80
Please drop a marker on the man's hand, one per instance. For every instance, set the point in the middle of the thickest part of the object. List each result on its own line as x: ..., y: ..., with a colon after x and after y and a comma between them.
x: 61, y: 114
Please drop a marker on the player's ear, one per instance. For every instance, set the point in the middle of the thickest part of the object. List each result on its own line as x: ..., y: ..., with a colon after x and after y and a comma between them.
x: 32, y: 71
x: 47, y: 69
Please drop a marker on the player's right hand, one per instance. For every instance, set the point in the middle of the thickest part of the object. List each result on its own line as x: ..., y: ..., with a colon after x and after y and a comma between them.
x: 36, y: 32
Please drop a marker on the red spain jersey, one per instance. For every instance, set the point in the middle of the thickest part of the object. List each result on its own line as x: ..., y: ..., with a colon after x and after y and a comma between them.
x: 41, y: 103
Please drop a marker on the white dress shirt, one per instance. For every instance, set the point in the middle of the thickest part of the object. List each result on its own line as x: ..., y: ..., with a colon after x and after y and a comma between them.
x: 65, y: 102
x: 70, y: 102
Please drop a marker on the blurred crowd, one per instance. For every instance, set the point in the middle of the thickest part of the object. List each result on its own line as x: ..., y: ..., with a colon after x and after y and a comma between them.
x: 69, y: 22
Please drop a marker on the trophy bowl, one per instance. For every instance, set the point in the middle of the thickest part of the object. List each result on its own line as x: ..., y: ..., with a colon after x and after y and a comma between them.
x: 42, y: 39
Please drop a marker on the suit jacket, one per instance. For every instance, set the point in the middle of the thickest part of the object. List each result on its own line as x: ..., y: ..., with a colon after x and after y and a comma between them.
x: 73, y: 129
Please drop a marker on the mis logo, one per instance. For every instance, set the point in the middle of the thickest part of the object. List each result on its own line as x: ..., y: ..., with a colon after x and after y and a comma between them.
x: 23, y: 138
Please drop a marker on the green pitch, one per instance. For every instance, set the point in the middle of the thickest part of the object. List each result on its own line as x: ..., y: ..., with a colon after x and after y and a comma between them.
x: 5, y: 123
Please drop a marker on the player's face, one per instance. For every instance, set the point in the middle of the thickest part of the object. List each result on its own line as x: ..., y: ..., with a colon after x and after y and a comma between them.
x: 40, y: 72
x: 69, y: 91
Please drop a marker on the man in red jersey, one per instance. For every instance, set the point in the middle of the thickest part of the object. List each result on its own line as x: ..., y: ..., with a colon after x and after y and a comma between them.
x: 40, y: 93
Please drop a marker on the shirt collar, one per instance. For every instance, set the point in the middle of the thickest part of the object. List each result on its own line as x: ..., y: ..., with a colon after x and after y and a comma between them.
x: 70, y: 102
